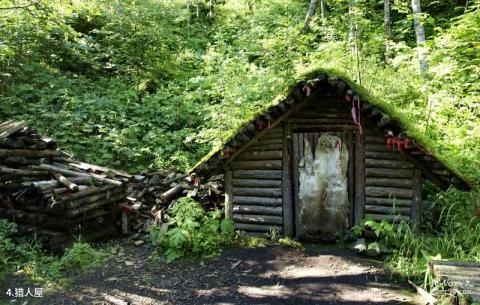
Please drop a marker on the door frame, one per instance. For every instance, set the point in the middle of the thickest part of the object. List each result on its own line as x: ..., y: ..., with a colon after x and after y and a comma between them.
x: 290, y: 188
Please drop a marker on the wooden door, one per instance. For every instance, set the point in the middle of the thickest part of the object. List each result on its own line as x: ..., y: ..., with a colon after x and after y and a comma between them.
x: 323, y: 165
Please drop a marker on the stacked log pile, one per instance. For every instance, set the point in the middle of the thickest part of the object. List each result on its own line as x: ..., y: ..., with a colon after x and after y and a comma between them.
x: 151, y: 194
x: 56, y: 197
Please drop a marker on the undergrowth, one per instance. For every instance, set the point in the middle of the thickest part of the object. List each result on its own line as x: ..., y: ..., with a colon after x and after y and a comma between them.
x: 454, y: 234
x: 24, y: 257
x: 191, y: 231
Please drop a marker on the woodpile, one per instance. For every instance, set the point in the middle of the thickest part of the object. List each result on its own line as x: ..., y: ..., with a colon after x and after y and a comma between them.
x: 151, y: 194
x: 58, y: 198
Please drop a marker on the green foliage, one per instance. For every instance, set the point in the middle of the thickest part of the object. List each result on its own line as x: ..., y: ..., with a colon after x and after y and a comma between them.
x: 192, y: 231
x: 288, y: 242
x: 132, y: 84
x: 455, y: 235
x: 25, y: 257
x: 82, y: 256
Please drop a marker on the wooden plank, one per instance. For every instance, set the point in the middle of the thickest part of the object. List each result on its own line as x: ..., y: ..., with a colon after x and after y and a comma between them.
x: 269, y: 141
x: 252, y: 200
x: 258, y: 219
x: 4, y: 153
x: 258, y: 174
x: 372, y: 139
x: 388, y: 173
x: 259, y: 165
x: 351, y: 177
x: 375, y: 209
x: 277, y: 121
x: 270, y: 147
x: 257, y: 210
x: 384, y: 155
x: 257, y: 183
x: 360, y: 172
x: 287, y: 195
x: 297, y: 139
x: 321, y: 121
x: 391, y: 218
x: 256, y: 227
x: 389, y: 182
x: 323, y: 115
x: 394, y: 164
x: 260, y: 155
x: 257, y: 192
x: 388, y: 201
x: 375, y: 191
x: 417, y: 199
x: 228, y: 180
x: 377, y: 147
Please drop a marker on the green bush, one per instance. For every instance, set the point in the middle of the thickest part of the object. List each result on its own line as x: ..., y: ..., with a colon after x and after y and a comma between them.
x: 82, y: 256
x: 192, y: 231
x: 24, y: 256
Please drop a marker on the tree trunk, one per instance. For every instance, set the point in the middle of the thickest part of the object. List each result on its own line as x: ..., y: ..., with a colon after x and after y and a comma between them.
x: 323, y: 11
x: 387, y: 24
x: 420, y: 34
x: 310, y: 13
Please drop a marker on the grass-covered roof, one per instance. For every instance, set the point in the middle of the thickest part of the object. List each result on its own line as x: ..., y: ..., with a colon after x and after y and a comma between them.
x: 217, y: 155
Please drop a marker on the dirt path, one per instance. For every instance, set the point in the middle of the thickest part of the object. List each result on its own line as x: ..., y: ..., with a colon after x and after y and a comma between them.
x: 271, y: 275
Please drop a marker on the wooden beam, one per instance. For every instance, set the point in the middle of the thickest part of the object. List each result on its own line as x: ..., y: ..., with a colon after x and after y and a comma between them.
x: 416, y: 211
x: 228, y: 180
x: 272, y: 125
x: 287, y: 195
x: 359, y: 177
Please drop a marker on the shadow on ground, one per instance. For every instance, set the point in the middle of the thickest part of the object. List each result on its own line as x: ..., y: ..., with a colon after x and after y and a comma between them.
x: 271, y: 275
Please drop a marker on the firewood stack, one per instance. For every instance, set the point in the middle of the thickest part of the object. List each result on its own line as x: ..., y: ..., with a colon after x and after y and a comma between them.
x: 58, y: 198
x: 153, y: 193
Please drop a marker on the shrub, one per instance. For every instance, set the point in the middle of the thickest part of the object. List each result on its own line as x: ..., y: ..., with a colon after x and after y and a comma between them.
x: 192, y: 231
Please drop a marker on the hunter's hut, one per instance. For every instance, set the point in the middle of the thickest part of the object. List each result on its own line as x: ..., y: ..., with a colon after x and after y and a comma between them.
x: 321, y: 160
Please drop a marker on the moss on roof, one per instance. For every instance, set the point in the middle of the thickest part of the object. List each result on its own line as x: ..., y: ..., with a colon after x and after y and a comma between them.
x: 384, y: 106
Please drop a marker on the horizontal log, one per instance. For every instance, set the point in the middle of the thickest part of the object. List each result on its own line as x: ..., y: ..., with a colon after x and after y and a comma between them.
x: 372, y: 139
x: 257, y: 183
x: 256, y: 227
x: 262, y: 141
x: 388, y: 201
x: 112, y: 201
x: 257, y: 210
x: 395, y: 218
x: 321, y: 121
x: 388, y: 173
x: 375, y: 191
x: 73, y: 204
x: 255, y: 147
x: 394, y: 164
x: 22, y: 172
x: 258, y: 174
x: 257, y: 219
x: 29, y: 153
x: 389, y: 182
x: 90, y: 191
x: 322, y: 115
x: 391, y: 155
x: 260, y: 155
x: 377, y: 147
x: 251, y: 200
x: 375, y: 209
x: 260, y: 165
x: 258, y: 192
x: 55, y: 169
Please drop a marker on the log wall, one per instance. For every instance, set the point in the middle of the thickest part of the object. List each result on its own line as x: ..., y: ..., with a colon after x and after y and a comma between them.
x: 389, y: 183
x: 257, y: 184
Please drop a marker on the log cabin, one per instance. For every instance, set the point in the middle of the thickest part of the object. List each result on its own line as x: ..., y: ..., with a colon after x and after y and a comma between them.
x: 322, y: 159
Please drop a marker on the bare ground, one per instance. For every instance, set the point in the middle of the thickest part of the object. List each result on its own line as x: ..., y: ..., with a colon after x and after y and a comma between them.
x: 272, y: 275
